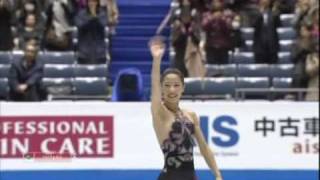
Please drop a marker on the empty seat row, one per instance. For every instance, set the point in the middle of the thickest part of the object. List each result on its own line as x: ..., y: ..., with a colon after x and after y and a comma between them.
x: 73, y: 88
x: 46, y: 57
x: 76, y: 86
x: 65, y: 70
x: 248, y: 58
x: 228, y: 86
x: 250, y: 70
x: 285, y: 33
x: 285, y: 45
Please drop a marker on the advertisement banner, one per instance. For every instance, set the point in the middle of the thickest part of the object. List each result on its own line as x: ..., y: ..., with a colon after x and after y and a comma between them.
x: 99, y: 135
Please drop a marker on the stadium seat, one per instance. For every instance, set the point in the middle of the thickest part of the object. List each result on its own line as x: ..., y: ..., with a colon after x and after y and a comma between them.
x: 253, y: 70
x: 287, y: 33
x: 287, y: 20
x: 286, y: 45
x: 193, y: 87
x: 261, y: 83
x: 58, y: 57
x: 4, y: 70
x: 282, y: 70
x: 247, y: 33
x: 243, y: 58
x: 58, y: 86
x: 284, y: 58
x: 17, y: 55
x: 219, y: 87
x: 228, y: 70
x: 91, y: 70
x: 5, y: 57
x: 58, y: 71
x: 90, y: 87
x: 4, y: 89
x: 128, y: 86
x: 281, y: 83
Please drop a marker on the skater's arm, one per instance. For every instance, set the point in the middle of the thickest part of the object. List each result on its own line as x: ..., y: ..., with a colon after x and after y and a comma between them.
x: 204, y: 148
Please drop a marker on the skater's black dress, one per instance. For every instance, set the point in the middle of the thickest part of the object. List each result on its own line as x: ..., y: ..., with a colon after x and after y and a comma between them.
x: 178, y: 151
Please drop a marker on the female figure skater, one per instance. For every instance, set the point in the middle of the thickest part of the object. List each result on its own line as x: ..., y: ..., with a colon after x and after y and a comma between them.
x: 175, y: 127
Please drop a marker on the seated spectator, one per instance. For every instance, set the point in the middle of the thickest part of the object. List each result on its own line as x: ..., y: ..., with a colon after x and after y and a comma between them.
x: 6, y: 42
x: 58, y: 35
x: 30, y: 30
x: 265, y: 38
x: 217, y: 25
x: 25, y: 77
x: 91, y: 24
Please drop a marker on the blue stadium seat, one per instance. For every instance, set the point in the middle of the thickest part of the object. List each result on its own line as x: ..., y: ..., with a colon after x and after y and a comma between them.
x: 100, y: 70
x: 228, y: 70
x: 5, y: 57
x: 286, y: 45
x: 74, y: 32
x: 287, y: 20
x: 248, y: 45
x: 284, y: 58
x: 220, y: 87
x: 281, y: 82
x: 58, y: 86
x: 17, y: 55
x: 261, y: 83
x: 253, y: 70
x: 58, y: 57
x: 282, y: 70
x: 193, y: 87
x: 4, y: 89
x: 247, y: 33
x: 287, y: 33
x: 243, y: 58
x: 90, y: 87
x: 58, y: 71
x: 128, y: 86
x: 4, y: 70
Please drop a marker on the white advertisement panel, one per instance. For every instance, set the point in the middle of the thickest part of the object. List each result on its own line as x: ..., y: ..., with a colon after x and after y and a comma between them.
x: 99, y: 135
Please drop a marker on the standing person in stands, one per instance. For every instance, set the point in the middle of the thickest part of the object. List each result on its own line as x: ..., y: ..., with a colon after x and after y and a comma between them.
x: 6, y: 42
x: 31, y: 30
x: 265, y: 38
x: 175, y: 127
x: 57, y: 36
x: 217, y: 39
x: 184, y: 19
x: 91, y: 23
x: 25, y: 76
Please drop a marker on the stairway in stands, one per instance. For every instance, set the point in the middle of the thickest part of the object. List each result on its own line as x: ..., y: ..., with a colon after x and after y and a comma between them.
x: 137, y: 24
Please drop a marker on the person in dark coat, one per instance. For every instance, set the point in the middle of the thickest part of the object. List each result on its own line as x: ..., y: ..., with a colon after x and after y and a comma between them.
x: 266, y: 40
x: 58, y: 29
x: 6, y: 38
x: 91, y: 24
x: 25, y: 76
